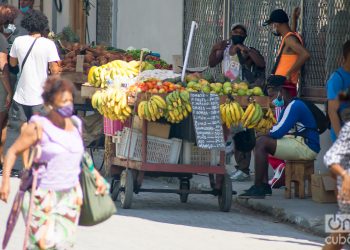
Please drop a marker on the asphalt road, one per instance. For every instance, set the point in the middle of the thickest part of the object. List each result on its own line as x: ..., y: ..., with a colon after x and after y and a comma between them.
x: 161, y: 222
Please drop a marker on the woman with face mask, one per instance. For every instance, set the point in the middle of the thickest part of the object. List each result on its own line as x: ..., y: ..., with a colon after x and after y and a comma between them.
x: 58, y: 196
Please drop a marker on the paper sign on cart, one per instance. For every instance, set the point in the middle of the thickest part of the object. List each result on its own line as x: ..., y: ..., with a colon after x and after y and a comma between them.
x: 80, y: 64
x: 207, y: 121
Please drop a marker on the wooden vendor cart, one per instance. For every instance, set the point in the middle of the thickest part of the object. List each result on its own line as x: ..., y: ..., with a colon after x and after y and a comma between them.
x: 133, y: 172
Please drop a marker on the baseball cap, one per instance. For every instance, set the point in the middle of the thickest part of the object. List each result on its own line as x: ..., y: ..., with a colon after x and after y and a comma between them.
x: 275, y: 81
x: 277, y: 16
x: 239, y: 25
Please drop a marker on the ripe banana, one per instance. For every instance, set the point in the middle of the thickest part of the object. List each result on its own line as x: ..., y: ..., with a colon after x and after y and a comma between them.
x: 178, y: 106
x: 112, y: 103
x: 231, y: 113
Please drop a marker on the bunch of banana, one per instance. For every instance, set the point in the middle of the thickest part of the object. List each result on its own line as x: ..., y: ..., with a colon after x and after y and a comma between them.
x: 231, y: 113
x: 267, y: 122
x: 112, y: 103
x: 115, y: 72
x: 178, y: 106
x: 153, y: 109
x: 252, y: 115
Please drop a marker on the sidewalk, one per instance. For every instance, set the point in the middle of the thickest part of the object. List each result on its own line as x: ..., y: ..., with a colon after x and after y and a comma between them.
x: 302, y: 212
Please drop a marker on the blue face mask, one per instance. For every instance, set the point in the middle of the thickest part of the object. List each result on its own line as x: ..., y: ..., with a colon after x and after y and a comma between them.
x: 278, y: 102
x: 24, y: 9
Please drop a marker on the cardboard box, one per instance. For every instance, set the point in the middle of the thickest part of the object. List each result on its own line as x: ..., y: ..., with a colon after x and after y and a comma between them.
x: 156, y: 129
x: 323, y: 188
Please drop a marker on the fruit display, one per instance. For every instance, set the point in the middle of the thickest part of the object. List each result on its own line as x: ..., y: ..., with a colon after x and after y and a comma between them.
x: 153, y: 61
x: 96, y: 56
x: 178, y: 106
x: 221, y: 86
x: 267, y: 122
x: 155, y: 86
x: 116, y: 72
x: 231, y: 113
x: 153, y: 109
x: 112, y: 103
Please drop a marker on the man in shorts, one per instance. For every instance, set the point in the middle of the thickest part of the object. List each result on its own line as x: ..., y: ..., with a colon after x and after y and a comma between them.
x: 294, y: 137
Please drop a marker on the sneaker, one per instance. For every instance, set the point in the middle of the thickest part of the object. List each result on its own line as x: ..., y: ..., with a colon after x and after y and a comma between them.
x: 254, y: 192
x: 240, y: 176
x: 278, y: 179
x: 267, y: 188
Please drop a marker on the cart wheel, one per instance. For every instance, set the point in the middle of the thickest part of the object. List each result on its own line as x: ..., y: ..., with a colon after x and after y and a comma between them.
x: 126, y: 188
x: 184, y: 185
x: 115, y: 188
x: 225, y: 196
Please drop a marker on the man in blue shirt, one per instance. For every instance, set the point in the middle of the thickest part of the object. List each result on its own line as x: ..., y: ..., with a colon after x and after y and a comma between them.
x: 294, y: 137
x: 338, y: 82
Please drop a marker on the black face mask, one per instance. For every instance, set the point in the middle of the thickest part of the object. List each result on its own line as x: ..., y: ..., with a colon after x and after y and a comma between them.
x: 237, y: 39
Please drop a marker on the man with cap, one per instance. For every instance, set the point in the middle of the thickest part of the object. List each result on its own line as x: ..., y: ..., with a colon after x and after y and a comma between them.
x: 292, y: 54
x: 247, y: 64
x: 294, y: 137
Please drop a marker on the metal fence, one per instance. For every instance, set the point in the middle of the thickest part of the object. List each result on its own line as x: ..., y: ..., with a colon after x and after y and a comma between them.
x: 325, y: 26
x: 209, y: 16
x: 104, y: 22
x: 253, y: 13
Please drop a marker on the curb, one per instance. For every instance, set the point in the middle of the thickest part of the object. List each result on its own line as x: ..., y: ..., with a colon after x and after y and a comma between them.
x: 315, y: 226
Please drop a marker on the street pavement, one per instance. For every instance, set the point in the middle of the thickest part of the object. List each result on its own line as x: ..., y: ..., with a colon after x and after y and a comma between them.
x: 161, y: 222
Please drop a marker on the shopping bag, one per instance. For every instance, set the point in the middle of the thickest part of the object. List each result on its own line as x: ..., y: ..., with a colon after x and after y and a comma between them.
x: 95, y: 208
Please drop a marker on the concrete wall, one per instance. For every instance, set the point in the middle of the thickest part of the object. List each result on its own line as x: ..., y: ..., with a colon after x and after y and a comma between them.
x: 153, y: 24
x: 63, y: 19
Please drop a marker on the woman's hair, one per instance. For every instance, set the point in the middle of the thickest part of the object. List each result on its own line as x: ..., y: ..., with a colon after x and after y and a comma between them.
x: 8, y: 14
x: 35, y: 22
x: 55, y: 85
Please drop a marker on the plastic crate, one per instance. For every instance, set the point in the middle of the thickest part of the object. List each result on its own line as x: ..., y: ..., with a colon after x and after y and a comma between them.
x: 198, y: 156
x: 111, y: 127
x: 158, y: 150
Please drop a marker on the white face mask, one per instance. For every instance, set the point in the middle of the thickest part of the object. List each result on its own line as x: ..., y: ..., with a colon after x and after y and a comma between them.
x: 9, y: 29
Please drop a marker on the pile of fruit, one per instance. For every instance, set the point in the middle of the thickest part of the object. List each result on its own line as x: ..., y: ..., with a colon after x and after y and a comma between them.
x: 178, y: 106
x: 154, y: 61
x: 221, y: 86
x: 97, y: 56
x: 153, y: 109
x: 155, y: 86
x: 267, y: 122
x: 252, y: 115
x: 232, y: 114
x: 116, y: 72
x: 112, y: 103
x: 175, y: 108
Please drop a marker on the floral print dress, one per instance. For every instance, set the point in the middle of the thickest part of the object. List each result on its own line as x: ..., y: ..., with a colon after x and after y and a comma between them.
x: 339, y: 153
